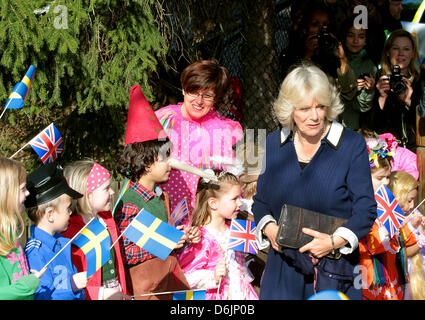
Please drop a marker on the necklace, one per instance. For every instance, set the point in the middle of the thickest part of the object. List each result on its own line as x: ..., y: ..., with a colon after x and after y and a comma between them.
x: 297, y: 145
x: 298, y: 152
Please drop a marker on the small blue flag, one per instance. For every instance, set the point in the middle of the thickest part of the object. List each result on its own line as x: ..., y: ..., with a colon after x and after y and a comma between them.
x: 190, y: 295
x: 20, y: 91
x: 152, y: 234
x: 95, y: 242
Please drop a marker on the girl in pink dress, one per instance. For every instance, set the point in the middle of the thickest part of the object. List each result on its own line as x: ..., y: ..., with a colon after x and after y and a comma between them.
x: 209, y: 264
x: 196, y: 130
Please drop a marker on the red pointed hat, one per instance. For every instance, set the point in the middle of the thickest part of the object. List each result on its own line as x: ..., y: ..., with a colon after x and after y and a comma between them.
x: 142, y: 123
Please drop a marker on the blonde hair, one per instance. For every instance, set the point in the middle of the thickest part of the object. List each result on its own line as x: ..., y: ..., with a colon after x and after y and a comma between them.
x: 306, y: 80
x: 401, y: 183
x: 249, y: 189
x: 417, y: 282
x: 201, y: 214
x: 36, y: 213
x: 76, y: 175
x: 385, y: 59
x: 12, y: 225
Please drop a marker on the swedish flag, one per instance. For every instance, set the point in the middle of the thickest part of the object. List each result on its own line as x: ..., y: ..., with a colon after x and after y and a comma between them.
x: 95, y: 242
x: 152, y: 234
x: 190, y: 295
x: 20, y: 91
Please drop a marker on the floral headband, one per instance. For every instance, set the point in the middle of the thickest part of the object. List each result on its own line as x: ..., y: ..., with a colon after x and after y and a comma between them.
x: 377, y: 148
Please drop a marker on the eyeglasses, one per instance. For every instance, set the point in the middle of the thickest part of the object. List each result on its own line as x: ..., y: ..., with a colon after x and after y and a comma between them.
x: 204, y: 96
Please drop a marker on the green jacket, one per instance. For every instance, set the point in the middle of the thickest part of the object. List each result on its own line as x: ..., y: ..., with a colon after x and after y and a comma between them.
x: 16, y: 283
x: 363, y: 100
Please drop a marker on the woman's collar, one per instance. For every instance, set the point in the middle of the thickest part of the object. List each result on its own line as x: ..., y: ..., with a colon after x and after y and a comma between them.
x: 333, y: 138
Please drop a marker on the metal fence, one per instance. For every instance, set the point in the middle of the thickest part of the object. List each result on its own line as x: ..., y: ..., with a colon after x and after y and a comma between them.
x: 259, y: 75
x: 254, y: 67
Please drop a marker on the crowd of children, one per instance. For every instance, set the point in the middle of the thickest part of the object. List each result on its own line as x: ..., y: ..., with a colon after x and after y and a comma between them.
x: 60, y: 202
x: 383, y: 255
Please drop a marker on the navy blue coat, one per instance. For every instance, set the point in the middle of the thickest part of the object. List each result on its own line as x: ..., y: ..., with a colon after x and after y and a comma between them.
x: 337, y: 182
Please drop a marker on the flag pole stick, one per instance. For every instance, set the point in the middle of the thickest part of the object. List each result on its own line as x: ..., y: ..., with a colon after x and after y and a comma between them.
x: 28, y: 143
x: 121, y: 194
x: 418, y: 205
x: 4, y: 109
x: 219, y: 283
x: 116, y: 241
x: 162, y: 293
x: 123, y: 232
x: 72, y: 239
x: 19, y: 150
x: 408, y: 218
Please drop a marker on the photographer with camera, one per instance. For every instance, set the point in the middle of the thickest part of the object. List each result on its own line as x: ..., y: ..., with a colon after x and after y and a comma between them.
x: 314, y: 40
x: 398, y: 89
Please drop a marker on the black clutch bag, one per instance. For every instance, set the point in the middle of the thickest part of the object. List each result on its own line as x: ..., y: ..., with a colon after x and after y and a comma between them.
x: 293, y: 219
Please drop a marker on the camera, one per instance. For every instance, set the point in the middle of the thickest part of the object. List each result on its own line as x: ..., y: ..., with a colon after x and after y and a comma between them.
x: 363, y: 75
x: 396, y: 81
x: 327, y: 43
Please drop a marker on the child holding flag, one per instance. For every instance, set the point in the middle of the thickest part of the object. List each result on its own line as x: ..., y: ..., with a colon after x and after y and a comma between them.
x: 94, y: 182
x: 405, y: 189
x: 382, y: 256
x: 253, y: 168
x: 144, y: 162
x: 209, y: 264
x: 16, y: 283
x: 48, y: 204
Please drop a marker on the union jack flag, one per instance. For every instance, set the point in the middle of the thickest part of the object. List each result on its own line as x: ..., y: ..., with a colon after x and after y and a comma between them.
x: 48, y: 144
x: 389, y: 212
x: 242, y: 236
x: 179, y: 212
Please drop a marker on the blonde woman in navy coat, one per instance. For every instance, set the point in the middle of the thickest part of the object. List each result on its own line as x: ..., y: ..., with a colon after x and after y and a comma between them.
x: 315, y: 163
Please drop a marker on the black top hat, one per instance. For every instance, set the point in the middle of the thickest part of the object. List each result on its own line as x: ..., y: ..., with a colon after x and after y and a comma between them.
x: 46, y: 184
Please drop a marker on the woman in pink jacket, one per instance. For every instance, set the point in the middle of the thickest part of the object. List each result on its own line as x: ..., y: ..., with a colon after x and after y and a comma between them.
x: 197, y: 131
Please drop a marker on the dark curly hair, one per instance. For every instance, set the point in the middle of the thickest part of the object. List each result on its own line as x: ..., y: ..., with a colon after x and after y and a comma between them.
x: 139, y: 156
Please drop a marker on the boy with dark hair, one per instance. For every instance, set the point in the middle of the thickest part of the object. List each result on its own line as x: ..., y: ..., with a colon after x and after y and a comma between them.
x: 48, y: 204
x: 145, y: 162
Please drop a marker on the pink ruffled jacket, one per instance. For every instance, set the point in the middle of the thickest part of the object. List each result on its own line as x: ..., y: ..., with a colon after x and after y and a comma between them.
x: 198, y: 262
x: 404, y: 159
x: 194, y: 142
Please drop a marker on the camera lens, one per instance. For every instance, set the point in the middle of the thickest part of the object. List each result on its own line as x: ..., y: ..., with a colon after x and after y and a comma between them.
x: 327, y: 43
x: 396, y: 81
